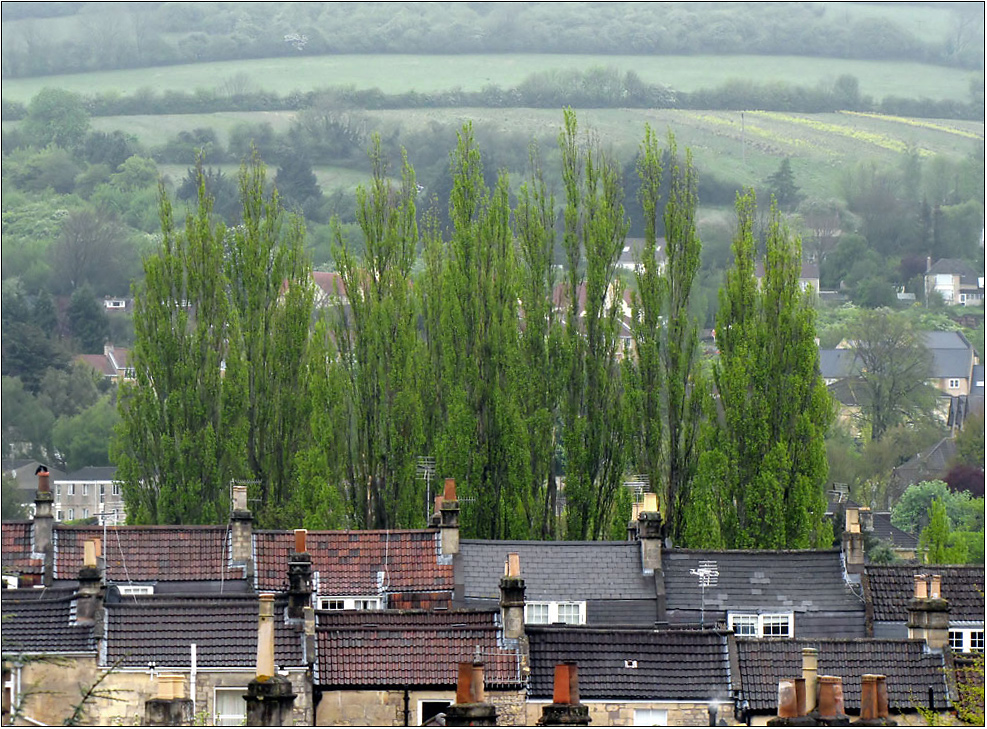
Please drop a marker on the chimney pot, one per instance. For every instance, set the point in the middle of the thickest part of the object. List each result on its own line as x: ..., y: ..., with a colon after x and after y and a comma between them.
x: 89, y: 554
x: 476, y: 685
x: 787, y: 699
x: 852, y: 520
x: 239, y: 497
x: 265, y: 636
x: 935, y: 587
x: 921, y: 587
x: 44, y: 483
x: 882, y: 697
x: 463, y: 682
x: 560, y: 688
x: 800, y: 696
x: 650, y: 502
x: 810, y: 672
x: 513, y: 564
x: 449, y: 492
x: 300, y: 535
x: 830, y: 697
x: 868, y: 697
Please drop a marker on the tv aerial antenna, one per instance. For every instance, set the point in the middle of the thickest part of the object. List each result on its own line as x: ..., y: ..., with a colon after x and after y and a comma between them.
x: 708, y: 573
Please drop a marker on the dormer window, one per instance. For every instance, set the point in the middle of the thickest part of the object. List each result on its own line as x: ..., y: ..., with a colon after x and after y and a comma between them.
x: 350, y: 603
x: 966, y: 640
x: 129, y: 590
x: 766, y: 625
x: 546, y: 613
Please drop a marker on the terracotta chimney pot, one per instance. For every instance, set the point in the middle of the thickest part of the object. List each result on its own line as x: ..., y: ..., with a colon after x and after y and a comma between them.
x: 463, y: 683
x: 449, y: 492
x: 787, y: 699
x: 935, y: 587
x: 882, y: 696
x: 300, y: 536
x: 513, y: 565
x: 44, y: 485
x: 476, y: 685
x: 868, y: 696
x: 830, y: 697
x: 921, y: 587
x: 800, y: 696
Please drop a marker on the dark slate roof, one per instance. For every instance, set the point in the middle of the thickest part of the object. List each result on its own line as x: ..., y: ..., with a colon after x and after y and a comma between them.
x: 671, y: 664
x: 910, y: 670
x: 405, y: 648
x: 91, y: 473
x: 42, y: 621
x: 558, y: 570
x: 929, y: 464
x: 892, y: 586
x: 837, y: 363
x: 348, y: 563
x: 224, y: 628
x: 149, y: 553
x: 803, y: 580
x: 16, y: 548
x: 977, y: 384
x: 952, y: 356
x: 955, y: 267
x: 884, y: 529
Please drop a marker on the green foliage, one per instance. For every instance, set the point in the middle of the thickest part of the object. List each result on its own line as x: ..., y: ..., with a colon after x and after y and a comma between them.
x: 70, y: 391
x: 775, y: 406
x: 782, y: 187
x: 970, y: 440
x: 11, y: 506
x: 88, y: 320
x: 911, y: 513
x: 84, y: 439
x: 936, y: 541
x: 25, y: 422
x: 58, y: 117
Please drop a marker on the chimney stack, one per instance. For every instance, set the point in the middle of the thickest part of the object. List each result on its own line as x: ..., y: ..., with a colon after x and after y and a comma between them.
x: 449, y: 519
x: 89, y: 599
x: 874, y: 701
x: 44, y: 523
x: 470, y: 708
x: 512, y: 598
x: 853, y: 542
x: 649, y: 534
x: 242, y: 520
x: 170, y: 707
x: 565, y: 709
x: 928, y: 613
x: 866, y: 517
x: 299, y: 577
x: 269, y: 696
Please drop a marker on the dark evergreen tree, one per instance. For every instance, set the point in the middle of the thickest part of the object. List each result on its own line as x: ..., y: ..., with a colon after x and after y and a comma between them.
x: 782, y: 185
x: 88, y: 322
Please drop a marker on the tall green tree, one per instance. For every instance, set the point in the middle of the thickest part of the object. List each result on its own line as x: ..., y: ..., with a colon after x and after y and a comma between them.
x: 183, y: 432
x: 268, y: 280
x: 542, y: 350
x: 88, y: 321
x: 936, y: 541
x: 595, y: 412
x: 381, y: 352
x: 775, y: 408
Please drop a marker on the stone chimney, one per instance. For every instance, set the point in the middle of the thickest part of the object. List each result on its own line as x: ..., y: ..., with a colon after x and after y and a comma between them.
x: 471, y: 708
x: 170, y: 707
x: 89, y: 598
x: 242, y: 529
x: 449, y: 519
x: 649, y: 534
x: 565, y: 709
x: 269, y: 696
x: 512, y: 598
x: 928, y: 613
x: 299, y: 577
x: 44, y: 523
x: 853, y: 542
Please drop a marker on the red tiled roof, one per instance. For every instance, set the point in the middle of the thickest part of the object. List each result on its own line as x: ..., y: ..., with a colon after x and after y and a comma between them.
x: 17, y: 545
x: 166, y: 553
x: 348, y: 562
x: 410, y: 648
x: 98, y: 362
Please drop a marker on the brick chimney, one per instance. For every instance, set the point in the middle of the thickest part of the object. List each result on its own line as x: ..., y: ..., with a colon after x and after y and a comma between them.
x: 874, y: 701
x: 449, y: 519
x: 853, y: 542
x: 269, y: 696
x: 471, y: 708
x: 242, y: 529
x: 89, y: 598
x: 299, y: 577
x: 928, y: 613
x: 44, y: 523
x: 565, y: 709
x: 170, y: 707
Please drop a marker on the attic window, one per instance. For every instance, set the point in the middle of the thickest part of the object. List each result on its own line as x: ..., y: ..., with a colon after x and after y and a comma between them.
x: 136, y: 589
x: 767, y: 625
x: 546, y: 613
x: 630, y: 664
x: 966, y: 640
x: 349, y: 603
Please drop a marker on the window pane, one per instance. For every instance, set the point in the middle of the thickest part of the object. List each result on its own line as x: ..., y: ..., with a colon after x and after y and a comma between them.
x: 569, y: 613
x: 650, y: 717
x: 231, y: 709
x: 977, y: 640
x: 775, y: 626
x: 956, y: 640
x: 537, y: 613
x: 745, y: 625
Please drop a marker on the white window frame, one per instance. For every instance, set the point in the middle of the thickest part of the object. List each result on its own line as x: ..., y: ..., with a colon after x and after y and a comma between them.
x: 128, y: 590
x: 60, y: 515
x: 228, y: 719
x: 763, y: 619
x: 85, y: 513
x: 71, y: 490
x: 553, y: 611
x: 71, y: 514
x: 650, y: 717
x: 364, y: 602
x: 953, y: 384
x: 85, y: 489
x: 961, y: 640
x: 116, y: 489
x: 422, y: 702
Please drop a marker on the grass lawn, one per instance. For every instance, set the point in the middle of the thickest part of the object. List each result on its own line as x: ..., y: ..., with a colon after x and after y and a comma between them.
x: 396, y: 73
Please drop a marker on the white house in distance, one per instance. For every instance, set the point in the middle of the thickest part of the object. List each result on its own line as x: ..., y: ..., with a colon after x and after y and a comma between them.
x: 956, y: 281
x: 90, y: 492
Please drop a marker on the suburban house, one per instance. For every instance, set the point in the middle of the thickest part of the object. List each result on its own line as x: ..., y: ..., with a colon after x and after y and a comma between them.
x: 956, y: 281
x: 113, y: 364
x: 630, y: 255
x: 764, y: 594
x: 889, y: 589
x: 90, y: 493
x: 931, y: 464
x: 376, y: 627
x: 116, y: 304
x: 808, y: 275
x: 329, y: 289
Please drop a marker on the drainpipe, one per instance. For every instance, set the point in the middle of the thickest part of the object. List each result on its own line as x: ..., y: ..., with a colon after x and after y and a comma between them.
x: 407, y: 710
x: 192, y: 675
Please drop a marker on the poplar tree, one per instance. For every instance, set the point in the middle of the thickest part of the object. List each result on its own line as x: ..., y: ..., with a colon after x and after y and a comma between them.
x: 769, y: 453
x: 595, y: 412
x: 380, y: 351
x: 183, y: 431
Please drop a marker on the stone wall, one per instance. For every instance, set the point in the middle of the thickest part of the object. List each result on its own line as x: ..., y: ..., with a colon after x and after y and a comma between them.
x: 386, y: 708
x: 617, y: 713
x: 511, y: 707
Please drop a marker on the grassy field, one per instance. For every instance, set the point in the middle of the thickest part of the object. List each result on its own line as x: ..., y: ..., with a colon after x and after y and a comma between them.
x: 329, y: 178
x: 398, y: 73
x: 745, y: 149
